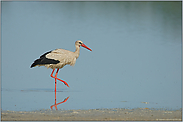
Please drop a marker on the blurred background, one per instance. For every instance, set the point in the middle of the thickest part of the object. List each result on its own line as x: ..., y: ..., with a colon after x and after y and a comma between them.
x: 135, y: 62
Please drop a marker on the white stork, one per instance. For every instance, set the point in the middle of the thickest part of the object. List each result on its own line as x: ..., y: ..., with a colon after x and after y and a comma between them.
x: 58, y: 58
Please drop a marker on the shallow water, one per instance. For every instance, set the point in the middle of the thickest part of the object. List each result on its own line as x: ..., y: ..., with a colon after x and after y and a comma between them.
x: 135, y: 62
x: 67, y: 99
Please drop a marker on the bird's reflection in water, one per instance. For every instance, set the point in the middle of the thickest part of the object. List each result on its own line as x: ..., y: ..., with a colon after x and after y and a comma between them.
x: 59, y: 102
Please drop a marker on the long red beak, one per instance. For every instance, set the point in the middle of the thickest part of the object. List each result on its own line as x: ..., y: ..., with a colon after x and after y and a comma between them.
x: 83, y: 45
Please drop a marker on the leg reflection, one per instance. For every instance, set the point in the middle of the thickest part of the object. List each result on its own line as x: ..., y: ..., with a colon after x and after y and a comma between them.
x: 58, y: 103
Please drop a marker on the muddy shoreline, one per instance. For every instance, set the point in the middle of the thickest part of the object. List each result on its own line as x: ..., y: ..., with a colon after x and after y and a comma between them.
x: 139, y: 114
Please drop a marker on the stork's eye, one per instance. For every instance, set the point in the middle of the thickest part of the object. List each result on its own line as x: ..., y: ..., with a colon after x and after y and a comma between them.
x: 80, y: 43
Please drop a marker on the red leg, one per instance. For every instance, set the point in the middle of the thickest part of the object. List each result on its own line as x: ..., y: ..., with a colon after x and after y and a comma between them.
x: 52, y: 73
x: 55, y: 85
x: 58, y: 78
x: 56, y: 81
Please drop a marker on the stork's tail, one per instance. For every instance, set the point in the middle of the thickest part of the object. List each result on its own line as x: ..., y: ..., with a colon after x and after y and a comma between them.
x: 36, y: 62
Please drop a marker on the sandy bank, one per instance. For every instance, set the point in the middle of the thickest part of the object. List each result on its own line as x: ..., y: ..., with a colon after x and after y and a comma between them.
x: 94, y: 114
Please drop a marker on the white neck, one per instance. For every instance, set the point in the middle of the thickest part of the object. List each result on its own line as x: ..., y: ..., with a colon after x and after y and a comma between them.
x: 77, y: 51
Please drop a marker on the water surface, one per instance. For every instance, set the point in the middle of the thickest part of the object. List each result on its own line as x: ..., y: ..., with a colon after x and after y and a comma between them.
x: 135, y: 62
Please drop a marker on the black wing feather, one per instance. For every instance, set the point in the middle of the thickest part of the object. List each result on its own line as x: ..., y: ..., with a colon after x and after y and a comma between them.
x: 43, y: 60
x: 44, y: 55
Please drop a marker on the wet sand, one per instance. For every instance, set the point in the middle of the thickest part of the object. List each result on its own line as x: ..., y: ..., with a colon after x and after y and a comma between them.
x: 139, y: 114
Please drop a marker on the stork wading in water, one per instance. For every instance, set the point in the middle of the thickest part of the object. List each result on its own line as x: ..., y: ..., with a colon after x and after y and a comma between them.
x: 58, y: 58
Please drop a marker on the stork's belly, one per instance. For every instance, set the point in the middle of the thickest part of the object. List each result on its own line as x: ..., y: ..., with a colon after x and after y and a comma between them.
x: 59, y: 65
x: 55, y: 66
x: 62, y: 63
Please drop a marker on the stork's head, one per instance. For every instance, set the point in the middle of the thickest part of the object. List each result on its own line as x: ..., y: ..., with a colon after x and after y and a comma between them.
x: 80, y: 43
